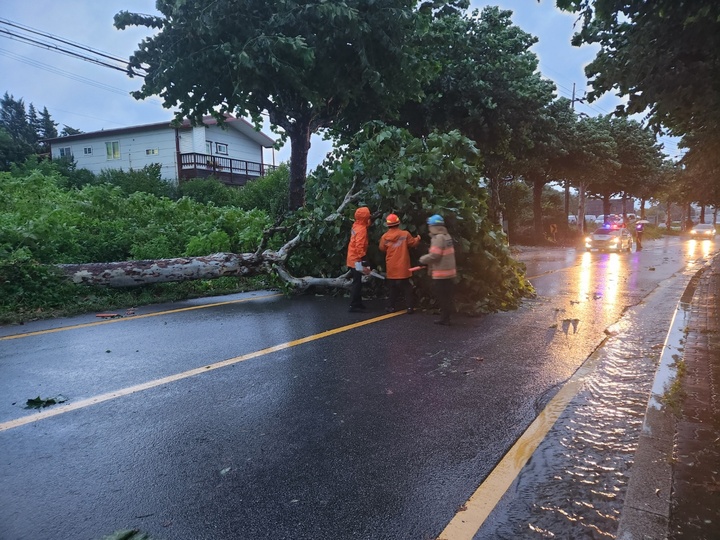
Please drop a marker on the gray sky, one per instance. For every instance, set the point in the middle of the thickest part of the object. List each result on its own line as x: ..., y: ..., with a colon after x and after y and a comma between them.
x: 89, y: 97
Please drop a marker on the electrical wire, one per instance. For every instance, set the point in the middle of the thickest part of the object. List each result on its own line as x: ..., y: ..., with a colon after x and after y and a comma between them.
x: 49, y: 45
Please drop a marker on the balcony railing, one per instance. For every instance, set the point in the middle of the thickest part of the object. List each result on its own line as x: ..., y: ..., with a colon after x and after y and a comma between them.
x: 234, y: 172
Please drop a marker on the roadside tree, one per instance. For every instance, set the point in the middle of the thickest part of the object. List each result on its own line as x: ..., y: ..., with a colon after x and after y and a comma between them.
x: 487, y: 87
x: 554, y: 132
x: 665, y: 57
x: 309, y: 65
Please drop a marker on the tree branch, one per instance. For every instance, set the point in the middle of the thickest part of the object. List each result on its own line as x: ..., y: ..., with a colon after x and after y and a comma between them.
x: 349, y: 197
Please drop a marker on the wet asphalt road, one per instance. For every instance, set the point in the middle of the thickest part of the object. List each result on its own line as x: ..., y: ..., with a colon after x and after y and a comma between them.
x: 374, y: 431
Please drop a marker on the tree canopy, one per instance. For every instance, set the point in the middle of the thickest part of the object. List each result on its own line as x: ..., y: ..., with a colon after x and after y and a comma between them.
x: 309, y: 64
x: 22, y: 131
x: 487, y: 87
x: 664, y: 56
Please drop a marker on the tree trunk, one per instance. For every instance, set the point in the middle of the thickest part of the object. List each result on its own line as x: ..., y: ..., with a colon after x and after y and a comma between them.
x: 606, y: 206
x: 299, y: 148
x: 642, y: 208
x: 133, y: 273
x: 537, y: 208
x: 495, y: 207
x: 581, y: 207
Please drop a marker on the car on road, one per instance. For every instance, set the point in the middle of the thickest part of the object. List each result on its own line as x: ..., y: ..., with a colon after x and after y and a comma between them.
x: 703, y: 230
x: 609, y: 239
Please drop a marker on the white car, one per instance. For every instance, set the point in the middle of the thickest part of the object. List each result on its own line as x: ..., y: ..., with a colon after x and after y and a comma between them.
x: 609, y: 239
x: 703, y: 230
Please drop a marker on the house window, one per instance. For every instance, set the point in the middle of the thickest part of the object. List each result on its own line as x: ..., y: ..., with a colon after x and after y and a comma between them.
x: 65, y: 151
x: 112, y: 150
x: 208, y: 147
x: 152, y: 151
x: 221, y: 148
x: 87, y: 150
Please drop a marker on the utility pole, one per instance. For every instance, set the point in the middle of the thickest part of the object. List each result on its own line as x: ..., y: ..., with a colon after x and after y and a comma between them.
x: 567, y: 182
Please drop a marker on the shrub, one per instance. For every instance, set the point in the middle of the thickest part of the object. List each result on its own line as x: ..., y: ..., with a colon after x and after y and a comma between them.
x: 145, y: 180
x: 208, y: 190
x: 268, y: 193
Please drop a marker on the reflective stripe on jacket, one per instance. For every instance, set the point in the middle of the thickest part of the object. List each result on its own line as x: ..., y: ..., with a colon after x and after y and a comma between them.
x: 396, y: 243
x: 441, y: 256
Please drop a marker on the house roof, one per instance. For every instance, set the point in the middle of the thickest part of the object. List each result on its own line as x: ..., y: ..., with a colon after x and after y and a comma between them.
x: 239, y: 124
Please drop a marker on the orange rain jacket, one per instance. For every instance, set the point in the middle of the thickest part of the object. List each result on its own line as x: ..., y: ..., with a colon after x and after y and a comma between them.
x: 396, y: 244
x: 357, y: 248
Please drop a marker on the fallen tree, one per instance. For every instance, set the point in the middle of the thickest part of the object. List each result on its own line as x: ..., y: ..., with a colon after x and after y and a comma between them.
x: 157, y: 240
x: 217, y: 265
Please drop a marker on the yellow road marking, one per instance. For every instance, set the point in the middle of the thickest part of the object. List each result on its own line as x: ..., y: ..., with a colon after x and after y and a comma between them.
x: 466, y: 523
x: 134, y: 317
x: 61, y: 409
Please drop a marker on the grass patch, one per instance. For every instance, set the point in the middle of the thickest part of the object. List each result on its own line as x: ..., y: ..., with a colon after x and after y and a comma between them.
x: 674, y: 396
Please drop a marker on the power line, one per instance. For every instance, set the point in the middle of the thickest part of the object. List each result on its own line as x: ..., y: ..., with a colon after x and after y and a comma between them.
x: 62, y: 73
x: 31, y: 30
x: 62, y: 50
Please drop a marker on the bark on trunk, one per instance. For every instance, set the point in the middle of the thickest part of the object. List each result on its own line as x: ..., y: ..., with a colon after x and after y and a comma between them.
x: 299, y: 148
x: 133, y: 273
x: 581, y: 207
x: 495, y: 207
x: 537, y: 208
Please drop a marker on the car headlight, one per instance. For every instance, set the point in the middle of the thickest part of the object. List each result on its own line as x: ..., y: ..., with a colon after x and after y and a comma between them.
x: 588, y: 239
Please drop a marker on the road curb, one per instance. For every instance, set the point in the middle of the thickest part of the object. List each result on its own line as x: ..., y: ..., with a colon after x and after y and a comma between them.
x: 646, y: 510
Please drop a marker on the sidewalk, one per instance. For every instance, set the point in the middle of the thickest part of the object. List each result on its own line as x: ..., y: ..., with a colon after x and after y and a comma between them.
x: 674, y: 489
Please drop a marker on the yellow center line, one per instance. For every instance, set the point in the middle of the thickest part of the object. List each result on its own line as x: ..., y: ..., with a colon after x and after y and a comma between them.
x: 62, y: 409
x: 468, y: 520
x: 134, y: 317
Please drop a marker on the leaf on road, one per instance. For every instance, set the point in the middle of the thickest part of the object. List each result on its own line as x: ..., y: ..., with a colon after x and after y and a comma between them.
x: 40, y: 403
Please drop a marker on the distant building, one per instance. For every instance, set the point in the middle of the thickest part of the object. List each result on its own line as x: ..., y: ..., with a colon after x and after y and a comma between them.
x: 232, y: 153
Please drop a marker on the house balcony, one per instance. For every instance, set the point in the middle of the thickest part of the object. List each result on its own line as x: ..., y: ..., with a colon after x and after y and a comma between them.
x: 231, y: 172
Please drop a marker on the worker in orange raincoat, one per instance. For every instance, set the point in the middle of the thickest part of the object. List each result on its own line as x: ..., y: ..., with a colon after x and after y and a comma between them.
x: 356, y: 256
x: 396, y: 244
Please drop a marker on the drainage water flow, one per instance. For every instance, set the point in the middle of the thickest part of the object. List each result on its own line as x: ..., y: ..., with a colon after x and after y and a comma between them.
x: 574, y: 484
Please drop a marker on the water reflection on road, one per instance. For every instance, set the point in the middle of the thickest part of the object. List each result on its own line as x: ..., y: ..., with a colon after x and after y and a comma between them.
x: 698, y: 248
x: 575, y: 483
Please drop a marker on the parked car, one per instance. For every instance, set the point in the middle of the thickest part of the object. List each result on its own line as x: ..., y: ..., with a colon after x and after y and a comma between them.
x: 609, y: 238
x: 703, y: 230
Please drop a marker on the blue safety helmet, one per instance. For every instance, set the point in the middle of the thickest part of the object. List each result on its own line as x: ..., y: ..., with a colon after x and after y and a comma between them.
x: 436, y: 220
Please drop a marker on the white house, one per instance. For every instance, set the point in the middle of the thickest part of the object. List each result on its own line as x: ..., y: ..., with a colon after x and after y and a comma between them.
x: 232, y: 153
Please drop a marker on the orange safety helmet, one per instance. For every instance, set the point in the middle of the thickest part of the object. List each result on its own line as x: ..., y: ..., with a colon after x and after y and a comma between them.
x: 392, y: 220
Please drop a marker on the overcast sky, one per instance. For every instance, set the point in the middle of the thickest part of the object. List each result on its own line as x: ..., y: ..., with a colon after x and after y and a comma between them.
x: 89, y: 97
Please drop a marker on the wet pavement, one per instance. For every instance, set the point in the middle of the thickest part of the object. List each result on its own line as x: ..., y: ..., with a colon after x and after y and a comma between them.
x: 574, y: 485
x: 675, y: 482
x: 380, y: 431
